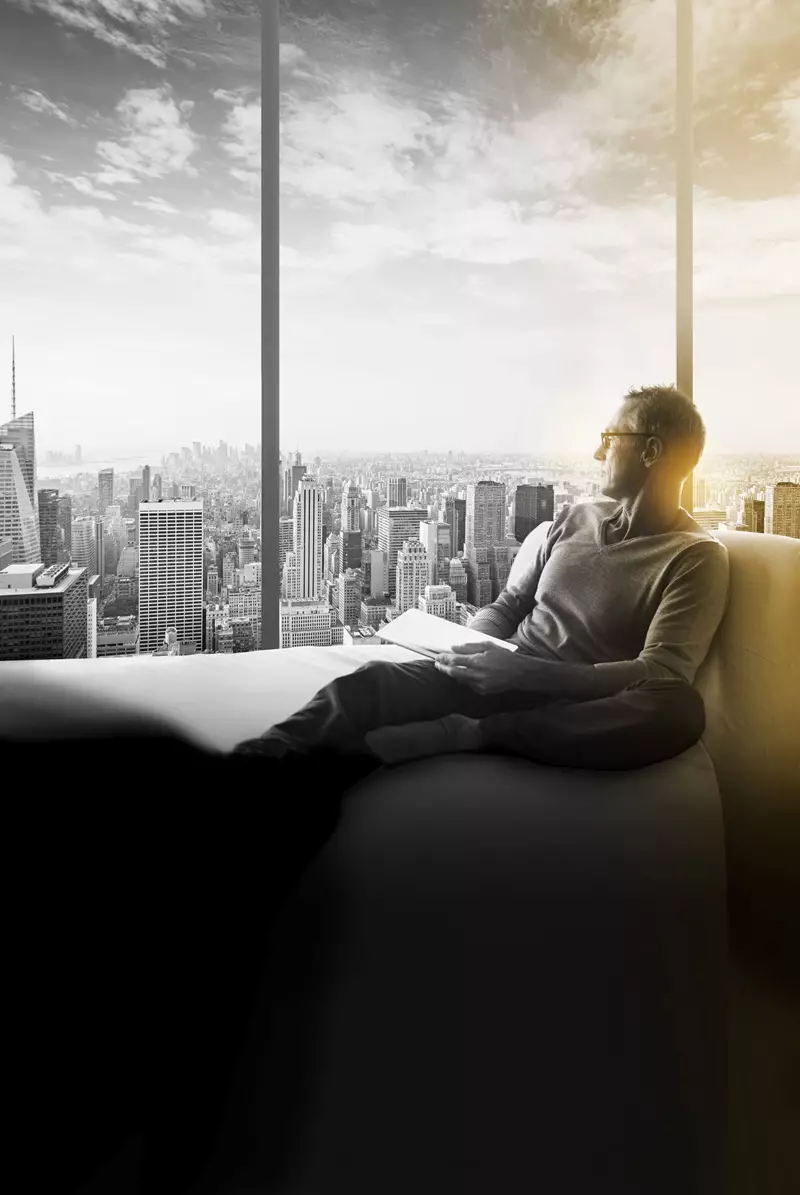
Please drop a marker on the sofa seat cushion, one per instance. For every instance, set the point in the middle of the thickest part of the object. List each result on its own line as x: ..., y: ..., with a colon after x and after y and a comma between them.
x: 501, y: 952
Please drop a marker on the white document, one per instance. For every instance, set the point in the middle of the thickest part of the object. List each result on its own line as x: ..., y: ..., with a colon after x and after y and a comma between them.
x: 429, y: 635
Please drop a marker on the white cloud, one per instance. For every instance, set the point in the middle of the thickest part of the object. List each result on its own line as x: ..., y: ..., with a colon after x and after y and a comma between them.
x: 241, y: 131
x: 230, y: 223
x: 83, y: 185
x: 155, y: 204
x: 290, y: 54
x: 121, y: 23
x: 37, y: 102
x: 156, y: 140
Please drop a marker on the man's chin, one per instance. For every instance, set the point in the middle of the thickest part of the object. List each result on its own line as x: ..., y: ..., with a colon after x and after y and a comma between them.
x: 607, y: 489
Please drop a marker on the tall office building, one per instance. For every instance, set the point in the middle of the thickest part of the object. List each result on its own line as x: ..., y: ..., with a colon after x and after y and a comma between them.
x: 436, y: 538
x: 308, y: 538
x: 105, y: 490
x: 782, y: 509
x: 145, y: 483
x: 395, y: 525
x: 350, y: 582
x: 170, y: 573
x: 247, y: 550
x: 533, y: 504
x: 157, y: 488
x: 285, y: 538
x: 352, y: 539
x: 378, y: 572
x: 84, y: 544
x: 55, y: 526
x: 245, y: 605
x: 21, y: 435
x: 412, y: 574
x: 43, y: 612
x: 754, y: 514
x: 100, y: 553
x: 485, y: 529
x: 6, y: 552
x: 458, y: 579
x: 699, y: 492
x: 187, y: 492
x: 18, y: 520
x: 294, y: 473
x: 397, y: 492
x: 455, y: 515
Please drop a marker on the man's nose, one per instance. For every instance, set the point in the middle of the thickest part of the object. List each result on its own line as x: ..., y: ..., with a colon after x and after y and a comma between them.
x: 600, y: 454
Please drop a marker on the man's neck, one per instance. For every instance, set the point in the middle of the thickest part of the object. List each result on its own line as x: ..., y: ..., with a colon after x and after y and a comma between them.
x: 646, y: 514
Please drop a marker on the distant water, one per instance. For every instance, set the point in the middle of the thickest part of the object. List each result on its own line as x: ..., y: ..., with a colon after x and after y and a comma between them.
x: 129, y: 464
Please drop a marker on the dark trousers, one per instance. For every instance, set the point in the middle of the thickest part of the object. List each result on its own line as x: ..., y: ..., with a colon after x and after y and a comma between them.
x: 650, y: 721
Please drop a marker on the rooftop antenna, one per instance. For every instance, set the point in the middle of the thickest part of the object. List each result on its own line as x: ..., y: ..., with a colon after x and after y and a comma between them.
x: 13, y: 381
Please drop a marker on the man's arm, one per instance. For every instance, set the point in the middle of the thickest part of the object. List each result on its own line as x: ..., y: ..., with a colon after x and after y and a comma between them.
x: 501, y: 619
x: 677, y: 641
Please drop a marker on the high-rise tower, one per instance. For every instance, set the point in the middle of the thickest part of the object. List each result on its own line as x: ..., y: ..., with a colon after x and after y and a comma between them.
x: 308, y: 538
x: 486, y: 518
x: 105, y: 490
x: 170, y: 573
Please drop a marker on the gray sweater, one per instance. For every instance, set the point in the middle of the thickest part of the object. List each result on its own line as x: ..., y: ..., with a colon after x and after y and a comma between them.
x: 641, y: 608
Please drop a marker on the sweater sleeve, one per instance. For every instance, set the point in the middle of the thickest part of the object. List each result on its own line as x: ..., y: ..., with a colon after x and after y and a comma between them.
x: 691, y: 608
x: 515, y: 603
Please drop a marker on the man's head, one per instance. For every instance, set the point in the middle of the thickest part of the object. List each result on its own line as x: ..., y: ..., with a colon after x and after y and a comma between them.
x: 662, y: 438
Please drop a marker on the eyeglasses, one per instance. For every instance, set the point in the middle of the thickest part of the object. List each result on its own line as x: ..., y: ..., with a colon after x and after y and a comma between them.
x: 607, y: 437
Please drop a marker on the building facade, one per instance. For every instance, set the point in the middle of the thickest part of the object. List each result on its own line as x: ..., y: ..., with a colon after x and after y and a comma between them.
x: 18, y: 521
x: 170, y: 573
x: 412, y: 574
x: 533, y: 504
x: 395, y: 525
x: 782, y: 509
x: 43, y: 612
x: 485, y: 529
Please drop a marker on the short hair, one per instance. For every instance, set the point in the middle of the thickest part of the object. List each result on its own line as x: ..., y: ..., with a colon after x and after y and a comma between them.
x: 668, y: 413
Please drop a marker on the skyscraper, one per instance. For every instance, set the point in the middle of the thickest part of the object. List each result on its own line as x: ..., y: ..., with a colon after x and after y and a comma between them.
x: 170, y: 573
x: 350, y: 581
x: 55, y: 526
x: 412, y: 574
x: 754, y: 514
x: 534, y: 504
x: 308, y: 538
x: 436, y: 538
x: 352, y: 540
x: 145, y: 483
x: 397, y: 492
x: 455, y: 515
x: 782, y: 509
x: 486, y: 518
x: 294, y: 474
x: 105, y: 490
x: 84, y: 544
x: 18, y: 520
x: 43, y: 612
x: 395, y: 524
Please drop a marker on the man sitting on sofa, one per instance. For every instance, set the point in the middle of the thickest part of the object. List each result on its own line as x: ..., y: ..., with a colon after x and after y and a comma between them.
x: 612, y: 618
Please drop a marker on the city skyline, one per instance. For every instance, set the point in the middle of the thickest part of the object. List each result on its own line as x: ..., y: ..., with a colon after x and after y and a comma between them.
x: 474, y: 213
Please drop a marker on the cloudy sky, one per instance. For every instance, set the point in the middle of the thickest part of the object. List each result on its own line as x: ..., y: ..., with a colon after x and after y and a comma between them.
x: 477, y: 220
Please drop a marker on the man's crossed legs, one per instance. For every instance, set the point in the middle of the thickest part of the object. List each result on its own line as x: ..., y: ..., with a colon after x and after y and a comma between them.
x: 647, y: 722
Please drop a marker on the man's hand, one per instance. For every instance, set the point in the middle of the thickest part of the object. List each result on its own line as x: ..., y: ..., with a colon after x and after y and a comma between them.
x: 485, y: 667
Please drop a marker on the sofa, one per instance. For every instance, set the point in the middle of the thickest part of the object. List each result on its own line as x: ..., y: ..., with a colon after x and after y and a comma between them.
x: 515, y: 977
